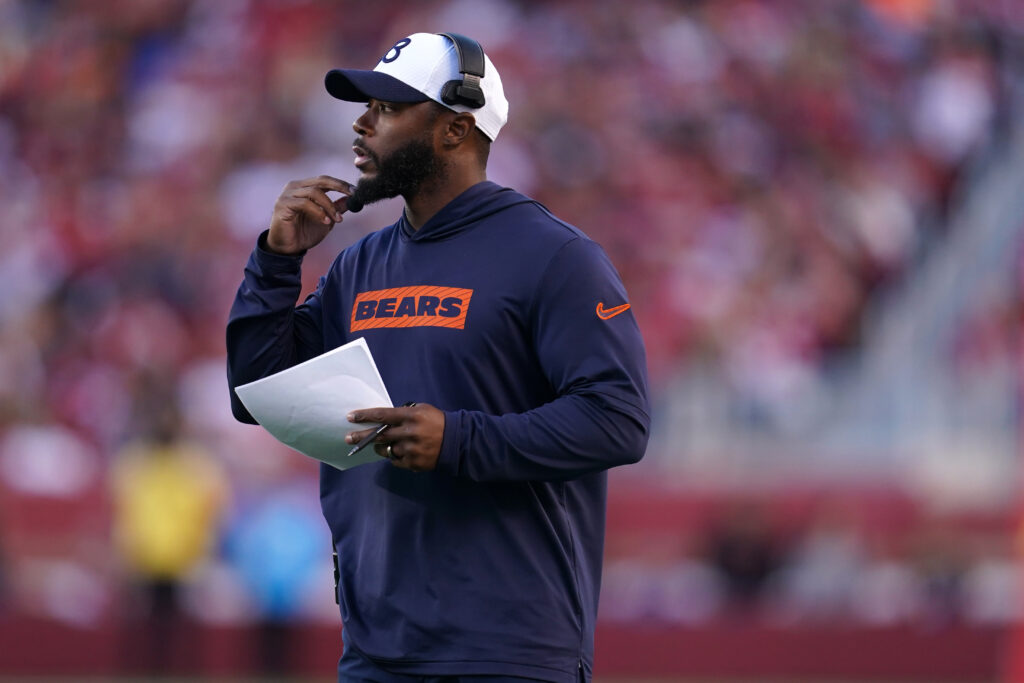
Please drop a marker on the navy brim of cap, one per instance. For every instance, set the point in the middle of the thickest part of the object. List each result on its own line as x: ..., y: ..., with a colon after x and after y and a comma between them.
x: 353, y: 85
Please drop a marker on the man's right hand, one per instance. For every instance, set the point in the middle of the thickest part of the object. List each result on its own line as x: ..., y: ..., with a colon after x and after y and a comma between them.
x: 304, y: 214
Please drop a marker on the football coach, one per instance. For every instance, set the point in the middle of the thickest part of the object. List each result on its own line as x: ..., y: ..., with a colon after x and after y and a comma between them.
x: 471, y: 552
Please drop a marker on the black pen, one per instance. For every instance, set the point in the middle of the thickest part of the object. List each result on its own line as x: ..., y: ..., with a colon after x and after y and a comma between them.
x: 366, y: 440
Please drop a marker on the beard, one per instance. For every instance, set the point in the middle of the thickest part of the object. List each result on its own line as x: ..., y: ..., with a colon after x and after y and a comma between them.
x: 403, y: 172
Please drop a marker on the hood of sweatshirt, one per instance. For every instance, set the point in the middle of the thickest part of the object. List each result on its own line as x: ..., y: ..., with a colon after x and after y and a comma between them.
x: 476, y: 203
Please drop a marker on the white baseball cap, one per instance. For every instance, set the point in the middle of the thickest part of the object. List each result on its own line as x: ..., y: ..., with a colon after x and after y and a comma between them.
x: 416, y: 69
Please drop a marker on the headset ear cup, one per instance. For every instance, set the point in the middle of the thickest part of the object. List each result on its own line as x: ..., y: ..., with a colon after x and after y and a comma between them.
x: 455, y: 92
x: 449, y: 93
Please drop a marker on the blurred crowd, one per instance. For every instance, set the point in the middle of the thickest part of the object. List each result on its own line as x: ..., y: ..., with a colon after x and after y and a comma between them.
x: 758, y: 171
x: 877, y: 560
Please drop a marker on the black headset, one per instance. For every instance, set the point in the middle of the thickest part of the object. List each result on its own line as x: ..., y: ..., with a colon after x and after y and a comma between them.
x: 471, y: 65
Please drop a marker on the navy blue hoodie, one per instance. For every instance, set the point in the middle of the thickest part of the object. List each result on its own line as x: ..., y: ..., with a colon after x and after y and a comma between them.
x: 517, y: 326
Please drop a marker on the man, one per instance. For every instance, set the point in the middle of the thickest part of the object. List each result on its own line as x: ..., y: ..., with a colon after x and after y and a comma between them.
x: 472, y: 550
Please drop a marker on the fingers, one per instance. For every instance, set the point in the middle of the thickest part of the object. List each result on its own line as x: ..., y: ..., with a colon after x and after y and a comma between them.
x: 391, y: 416
x: 325, y: 183
x: 392, y: 433
x: 394, y: 417
x: 414, y: 434
x: 355, y: 437
x: 309, y: 207
x: 318, y: 204
x: 403, y: 454
x: 304, y: 214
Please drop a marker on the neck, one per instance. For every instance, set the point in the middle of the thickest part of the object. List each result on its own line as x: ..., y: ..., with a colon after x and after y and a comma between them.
x: 431, y: 197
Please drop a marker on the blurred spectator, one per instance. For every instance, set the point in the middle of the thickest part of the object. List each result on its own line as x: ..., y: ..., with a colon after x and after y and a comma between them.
x: 819, y: 576
x: 655, y: 581
x: 276, y: 544
x: 993, y: 588
x: 168, y: 498
x: 887, y: 591
x: 746, y: 552
x: 942, y: 560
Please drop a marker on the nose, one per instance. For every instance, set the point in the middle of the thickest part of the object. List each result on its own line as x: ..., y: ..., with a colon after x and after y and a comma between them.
x: 362, y: 124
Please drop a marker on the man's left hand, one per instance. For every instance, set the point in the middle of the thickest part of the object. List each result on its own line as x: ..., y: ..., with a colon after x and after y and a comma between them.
x: 414, y: 435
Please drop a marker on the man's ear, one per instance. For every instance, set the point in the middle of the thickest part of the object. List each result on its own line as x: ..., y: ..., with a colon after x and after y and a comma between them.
x: 459, y: 128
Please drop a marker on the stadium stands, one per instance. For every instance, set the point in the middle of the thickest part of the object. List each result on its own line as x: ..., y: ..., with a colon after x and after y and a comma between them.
x: 765, y: 176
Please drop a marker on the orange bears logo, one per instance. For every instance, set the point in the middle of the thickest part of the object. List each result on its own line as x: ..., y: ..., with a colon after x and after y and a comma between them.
x: 420, y: 306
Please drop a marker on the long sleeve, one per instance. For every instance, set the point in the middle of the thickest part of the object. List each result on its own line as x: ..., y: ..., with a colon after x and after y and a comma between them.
x: 589, y: 346
x: 516, y: 325
x: 266, y: 331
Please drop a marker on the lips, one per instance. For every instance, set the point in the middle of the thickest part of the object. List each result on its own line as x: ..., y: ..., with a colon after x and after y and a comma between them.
x: 363, y: 157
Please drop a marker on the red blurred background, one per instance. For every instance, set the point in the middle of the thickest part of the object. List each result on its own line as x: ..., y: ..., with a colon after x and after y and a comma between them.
x: 815, y: 206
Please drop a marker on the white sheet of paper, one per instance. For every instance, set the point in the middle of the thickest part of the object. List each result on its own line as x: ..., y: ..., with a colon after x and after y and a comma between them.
x: 305, y: 406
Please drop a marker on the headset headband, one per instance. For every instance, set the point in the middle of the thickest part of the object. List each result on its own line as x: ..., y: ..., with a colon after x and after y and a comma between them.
x: 471, y: 65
